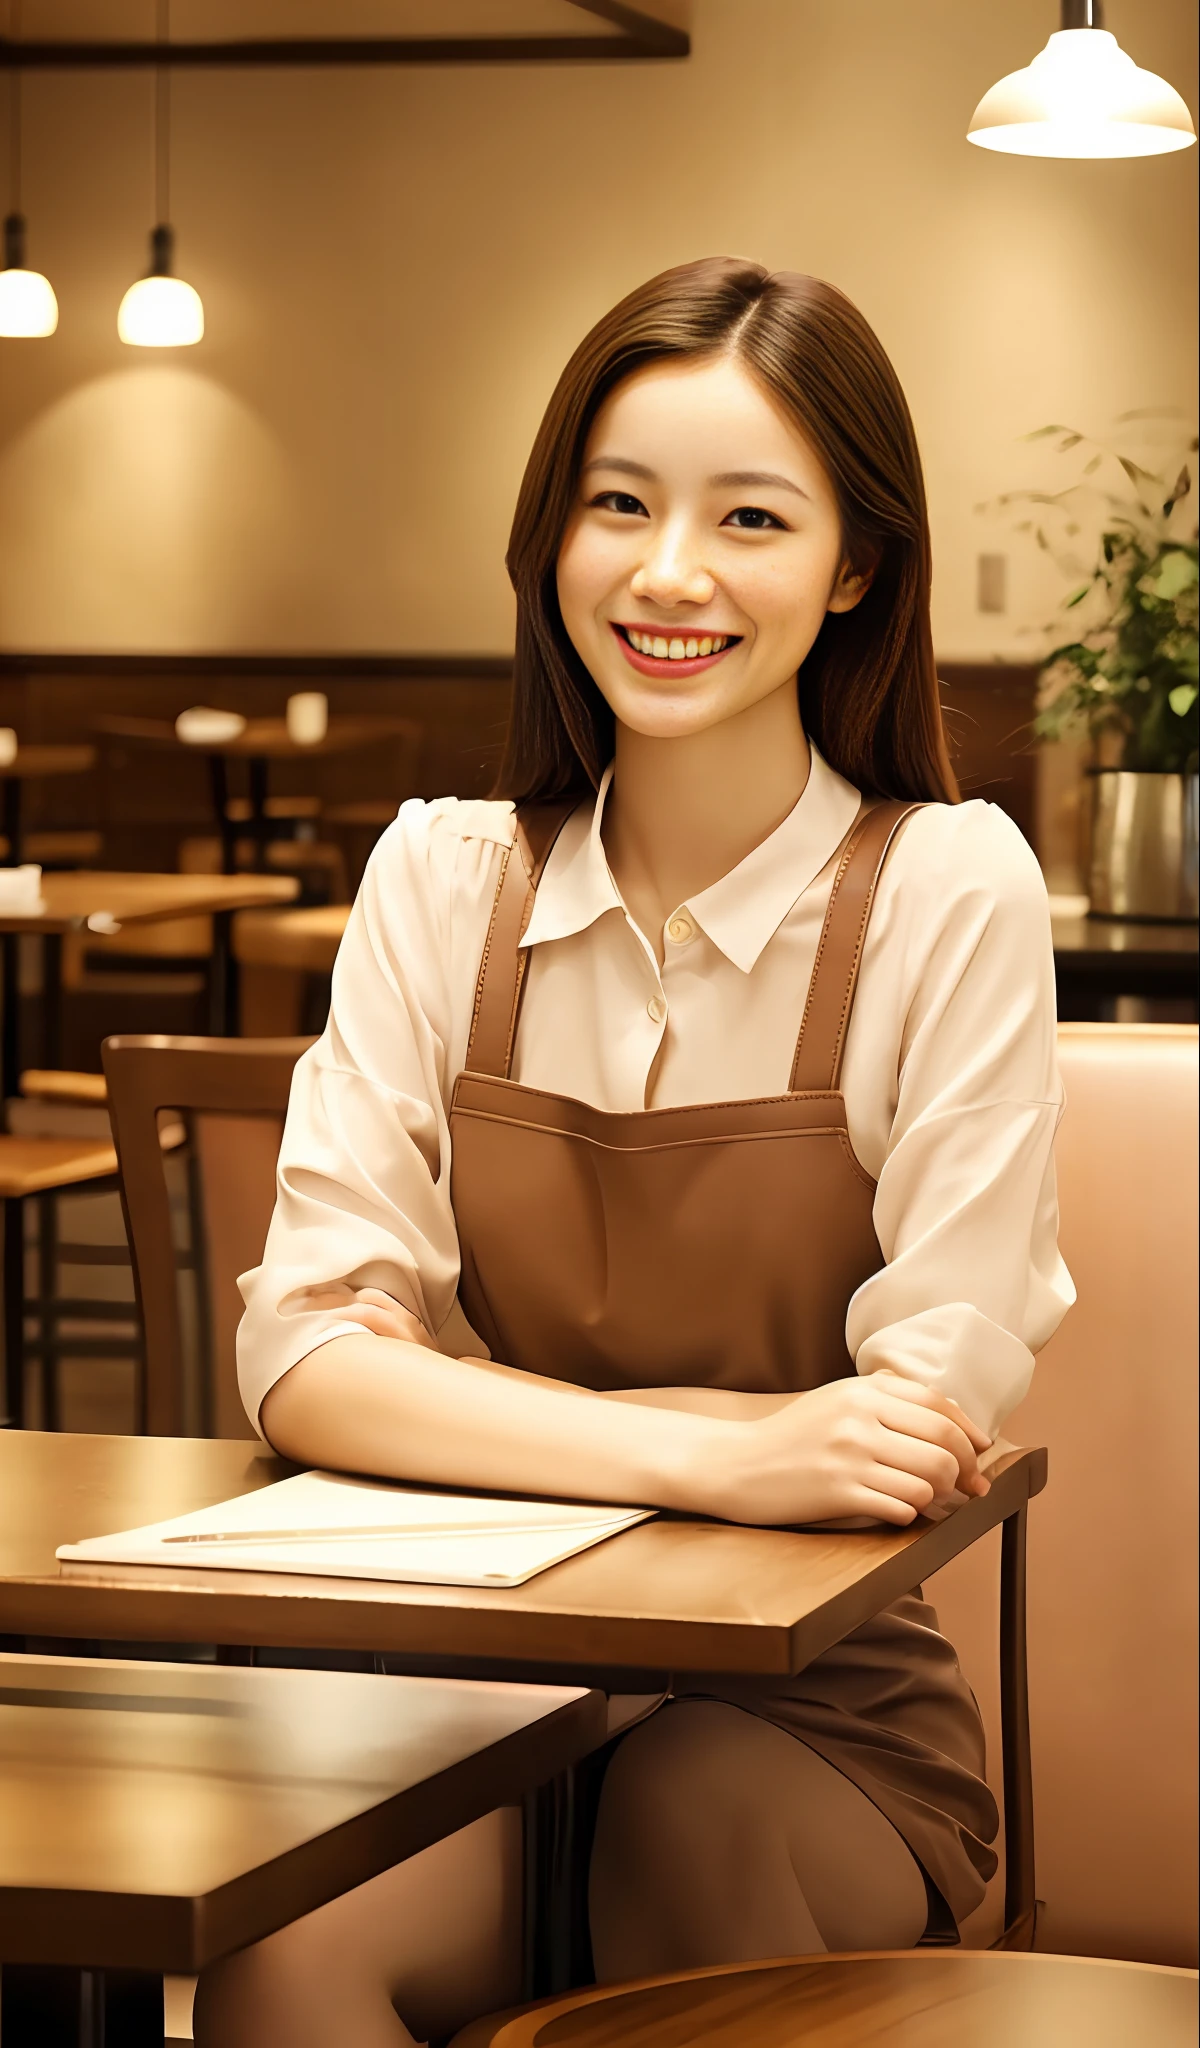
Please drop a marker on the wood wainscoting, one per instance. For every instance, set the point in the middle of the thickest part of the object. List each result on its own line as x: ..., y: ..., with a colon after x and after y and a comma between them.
x: 143, y: 804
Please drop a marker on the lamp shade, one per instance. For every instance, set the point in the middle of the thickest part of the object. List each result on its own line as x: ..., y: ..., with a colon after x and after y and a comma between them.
x: 28, y: 307
x: 161, y: 311
x: 1082, y: 97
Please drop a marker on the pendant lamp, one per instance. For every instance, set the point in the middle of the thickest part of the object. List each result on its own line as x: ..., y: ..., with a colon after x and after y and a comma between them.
x: 28, y: 307
x: 1082, y: 97
x: 160, y: 310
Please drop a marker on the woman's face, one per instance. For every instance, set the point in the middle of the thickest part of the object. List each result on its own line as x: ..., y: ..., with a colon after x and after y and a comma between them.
x: 703, y: 551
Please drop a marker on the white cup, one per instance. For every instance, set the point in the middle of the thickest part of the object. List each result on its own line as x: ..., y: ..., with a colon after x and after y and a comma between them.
x: 8, y: 746
x: 204, y: 727
x: 307, y: 718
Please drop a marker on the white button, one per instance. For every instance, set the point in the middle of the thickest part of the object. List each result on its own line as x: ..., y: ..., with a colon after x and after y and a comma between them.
x: 680, y: 928
x: 656, y: 1008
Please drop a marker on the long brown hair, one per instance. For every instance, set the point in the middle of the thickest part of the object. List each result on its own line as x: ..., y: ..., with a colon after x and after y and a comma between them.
x: 868, y: 689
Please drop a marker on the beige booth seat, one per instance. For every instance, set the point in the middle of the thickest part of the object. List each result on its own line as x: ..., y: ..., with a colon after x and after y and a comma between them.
x: 1112, y: 1540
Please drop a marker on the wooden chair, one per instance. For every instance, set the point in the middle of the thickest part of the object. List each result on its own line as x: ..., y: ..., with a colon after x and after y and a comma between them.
x: 231, y: 1095
x: 910, y: 1999
x: 49, y: 1307
x: 281, y: 954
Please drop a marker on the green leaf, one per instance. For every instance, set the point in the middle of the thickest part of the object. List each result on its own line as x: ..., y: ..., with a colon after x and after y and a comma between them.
x: 1076, y: 597
x: 1177, y: 571
x: 1090, y: 468
x: 1182, y: 698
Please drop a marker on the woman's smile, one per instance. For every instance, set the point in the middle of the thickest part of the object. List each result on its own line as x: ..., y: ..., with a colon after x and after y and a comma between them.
x: 671, y: 651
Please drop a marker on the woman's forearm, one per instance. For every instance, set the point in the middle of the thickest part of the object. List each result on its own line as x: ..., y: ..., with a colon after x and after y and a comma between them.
x: 404, y: 1411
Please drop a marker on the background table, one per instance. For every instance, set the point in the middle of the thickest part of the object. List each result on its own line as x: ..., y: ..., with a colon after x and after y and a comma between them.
x: 1097, y: 959
x: 92, y: 900
x: 261, y: 741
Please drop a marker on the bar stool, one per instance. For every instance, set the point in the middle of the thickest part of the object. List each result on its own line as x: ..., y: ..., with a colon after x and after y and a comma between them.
x: 37, y: 1166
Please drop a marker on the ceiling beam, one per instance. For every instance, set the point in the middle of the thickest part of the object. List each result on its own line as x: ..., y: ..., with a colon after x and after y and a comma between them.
x: 643, y: 38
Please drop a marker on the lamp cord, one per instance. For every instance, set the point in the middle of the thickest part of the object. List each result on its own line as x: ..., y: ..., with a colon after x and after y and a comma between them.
x: 162, y: 120
x: 14, y: 114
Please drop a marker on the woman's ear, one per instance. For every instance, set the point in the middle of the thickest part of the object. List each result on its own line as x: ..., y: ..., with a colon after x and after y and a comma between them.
x: 851, y: 586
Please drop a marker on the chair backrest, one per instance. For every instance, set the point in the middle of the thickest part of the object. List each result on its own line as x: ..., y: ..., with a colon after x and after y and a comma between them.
x: 1112, y: 1540
x: 232, y: 1094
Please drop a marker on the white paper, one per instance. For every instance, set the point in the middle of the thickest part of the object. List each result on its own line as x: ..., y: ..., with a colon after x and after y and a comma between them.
x: 505, y: 1542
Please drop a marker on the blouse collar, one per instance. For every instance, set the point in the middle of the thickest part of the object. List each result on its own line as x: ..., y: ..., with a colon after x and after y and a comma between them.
x: 742, y: 911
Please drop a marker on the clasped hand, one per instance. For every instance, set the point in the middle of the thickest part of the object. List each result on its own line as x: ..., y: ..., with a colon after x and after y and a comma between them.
x: 880, y: 1447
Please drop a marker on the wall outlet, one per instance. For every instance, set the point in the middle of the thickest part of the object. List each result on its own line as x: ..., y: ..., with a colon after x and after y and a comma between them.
x: 991, y: 584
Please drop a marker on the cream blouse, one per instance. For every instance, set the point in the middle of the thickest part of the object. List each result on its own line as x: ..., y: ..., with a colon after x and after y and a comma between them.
x: 951, y: 1086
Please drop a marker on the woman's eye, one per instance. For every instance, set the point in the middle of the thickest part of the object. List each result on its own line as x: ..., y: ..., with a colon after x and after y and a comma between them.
x: 753, y: 519
x: 620, y: 501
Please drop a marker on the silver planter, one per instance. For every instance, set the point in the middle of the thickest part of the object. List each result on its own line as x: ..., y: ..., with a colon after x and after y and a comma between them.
x: 1143, y: 853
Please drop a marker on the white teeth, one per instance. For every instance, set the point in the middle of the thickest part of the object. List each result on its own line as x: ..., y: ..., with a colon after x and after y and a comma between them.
x: 676, y: 649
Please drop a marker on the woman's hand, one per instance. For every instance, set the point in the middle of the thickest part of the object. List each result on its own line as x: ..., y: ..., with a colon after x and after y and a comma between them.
x: 880, y: 1447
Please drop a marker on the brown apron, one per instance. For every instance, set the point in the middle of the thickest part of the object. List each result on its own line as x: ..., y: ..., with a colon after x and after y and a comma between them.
x: 716, y: 1245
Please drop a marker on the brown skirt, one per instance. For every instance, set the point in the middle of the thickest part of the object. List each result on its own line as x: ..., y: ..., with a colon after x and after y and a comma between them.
x: 890, y: 1709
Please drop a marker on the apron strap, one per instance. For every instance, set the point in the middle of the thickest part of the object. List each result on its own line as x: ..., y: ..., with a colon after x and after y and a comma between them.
x: 817, y: 1067
x: 502, y: 969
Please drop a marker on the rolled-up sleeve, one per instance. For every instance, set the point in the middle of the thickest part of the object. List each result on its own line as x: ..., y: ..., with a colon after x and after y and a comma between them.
x: 966, y: 1209
x: 363, y: 1187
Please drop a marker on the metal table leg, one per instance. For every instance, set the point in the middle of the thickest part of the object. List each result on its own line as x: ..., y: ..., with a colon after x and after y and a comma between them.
x: 14, y: 1318
x: 10, y: 1024
x: 223, y: 1018
x: 1020, y: 1899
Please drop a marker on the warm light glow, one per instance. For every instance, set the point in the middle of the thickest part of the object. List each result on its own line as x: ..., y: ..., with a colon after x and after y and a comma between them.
x: 161, y: 312
x: 28, y: 306
x: 1082, y: 97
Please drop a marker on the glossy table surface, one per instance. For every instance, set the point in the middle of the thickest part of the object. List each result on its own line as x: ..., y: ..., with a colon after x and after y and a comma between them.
x: 669, y: 1595
x: 29, y: 763
x: 1081, y: 937
x: 106, y: 901
x: 922, y: 1999
x: 154, y: 1816
x: 265, y: 738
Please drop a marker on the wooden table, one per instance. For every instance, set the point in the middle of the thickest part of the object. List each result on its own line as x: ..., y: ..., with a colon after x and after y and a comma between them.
x: 31, y: 764
x: 952, y: 1999
x: 159, y: 1816
x: 670, y: 1596
x: 1097, y: 959
x: 91, y: 900
x: 261, y: 741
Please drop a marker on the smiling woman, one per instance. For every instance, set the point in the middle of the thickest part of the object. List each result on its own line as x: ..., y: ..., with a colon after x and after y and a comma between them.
x: 582, y: 1194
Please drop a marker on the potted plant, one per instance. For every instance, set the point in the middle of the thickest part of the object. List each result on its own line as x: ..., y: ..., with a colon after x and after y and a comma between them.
x: 1128, y: 678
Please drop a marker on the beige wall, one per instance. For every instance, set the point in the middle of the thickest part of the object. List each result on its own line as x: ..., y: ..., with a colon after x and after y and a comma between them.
x: 394, y: 265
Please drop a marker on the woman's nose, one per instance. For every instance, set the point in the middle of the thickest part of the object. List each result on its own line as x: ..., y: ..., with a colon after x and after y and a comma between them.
x: 670, y: 574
